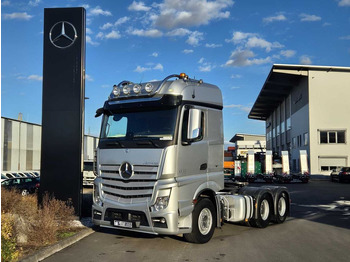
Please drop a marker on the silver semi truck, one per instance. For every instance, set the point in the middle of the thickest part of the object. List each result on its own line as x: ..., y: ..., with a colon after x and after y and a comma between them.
x: 159, y: 164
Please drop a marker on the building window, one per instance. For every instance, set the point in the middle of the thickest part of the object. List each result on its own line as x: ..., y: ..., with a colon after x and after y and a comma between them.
x: 294, y: 142
x: 282, y: 128
x: 306, y: 139
x: 332, y: 137
x: 330, y: 168
x: 299, y: 141
x: 289, y: 124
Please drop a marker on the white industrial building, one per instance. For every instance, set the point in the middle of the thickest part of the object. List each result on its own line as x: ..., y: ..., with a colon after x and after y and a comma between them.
x: 248, y: 142
x: 21, y: 145
x: 307, y: 108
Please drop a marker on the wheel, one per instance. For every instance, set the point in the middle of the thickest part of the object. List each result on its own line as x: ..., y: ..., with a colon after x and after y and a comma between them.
x: 264, y: 209
x: 25, y: 192
x: 332, y: 179
x: 203, y: 222
x: 282, y: 208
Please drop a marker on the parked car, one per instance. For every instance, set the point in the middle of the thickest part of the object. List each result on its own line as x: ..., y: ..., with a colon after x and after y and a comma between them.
x: 342, y: 176
x: 25, y: 185
x: 3, y: 177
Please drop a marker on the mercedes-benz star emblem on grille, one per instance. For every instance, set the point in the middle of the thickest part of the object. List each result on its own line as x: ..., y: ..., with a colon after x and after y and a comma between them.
x: 125, y: 170
x: 63, y: 34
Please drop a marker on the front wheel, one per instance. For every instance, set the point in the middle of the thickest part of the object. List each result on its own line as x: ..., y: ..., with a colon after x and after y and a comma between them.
x: 264, y: 212
x: 203, y: 222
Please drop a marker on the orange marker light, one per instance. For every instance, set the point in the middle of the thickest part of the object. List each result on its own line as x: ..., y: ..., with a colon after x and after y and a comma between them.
x: 183, y: 75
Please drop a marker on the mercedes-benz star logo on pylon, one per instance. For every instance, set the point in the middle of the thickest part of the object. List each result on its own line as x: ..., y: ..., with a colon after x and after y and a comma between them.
x: 125, y: 170
x: 63, y: 34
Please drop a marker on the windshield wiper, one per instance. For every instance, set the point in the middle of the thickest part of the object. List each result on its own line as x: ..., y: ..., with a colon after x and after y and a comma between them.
x: 115, y: 143
x: 145, y: 140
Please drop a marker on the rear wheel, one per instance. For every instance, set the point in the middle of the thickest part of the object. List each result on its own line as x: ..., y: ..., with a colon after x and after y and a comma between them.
x: 282, y: 208
x: 264, y: 209
x: 203, y: 222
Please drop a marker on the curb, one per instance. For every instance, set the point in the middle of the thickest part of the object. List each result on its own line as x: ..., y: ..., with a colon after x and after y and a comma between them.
x: 50, y: 250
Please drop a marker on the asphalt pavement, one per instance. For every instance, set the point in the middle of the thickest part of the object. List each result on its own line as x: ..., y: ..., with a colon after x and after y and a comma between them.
x: 317, y: 230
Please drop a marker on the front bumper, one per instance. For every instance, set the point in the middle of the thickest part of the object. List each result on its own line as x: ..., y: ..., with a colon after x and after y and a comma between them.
x: 140, y: 216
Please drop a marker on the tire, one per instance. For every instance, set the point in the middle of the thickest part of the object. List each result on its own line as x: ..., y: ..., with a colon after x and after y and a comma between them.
x: 281, y: 208
x: 203, y: 222
x: 25, y: 192
x: 264, y: 212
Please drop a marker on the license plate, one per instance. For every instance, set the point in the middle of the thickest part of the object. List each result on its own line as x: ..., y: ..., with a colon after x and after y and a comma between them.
x: 125, y: 224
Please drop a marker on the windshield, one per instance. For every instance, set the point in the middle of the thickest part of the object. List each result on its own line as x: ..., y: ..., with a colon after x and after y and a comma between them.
x: 128, y: 126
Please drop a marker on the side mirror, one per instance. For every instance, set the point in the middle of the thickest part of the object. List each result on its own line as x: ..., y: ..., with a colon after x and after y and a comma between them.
x: 194, y: 125
x: 99, y: 112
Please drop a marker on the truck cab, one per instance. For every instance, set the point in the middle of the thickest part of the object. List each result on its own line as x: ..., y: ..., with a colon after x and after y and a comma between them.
x: 159, y: 162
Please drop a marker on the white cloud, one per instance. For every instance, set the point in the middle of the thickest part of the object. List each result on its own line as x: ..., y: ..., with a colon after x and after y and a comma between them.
x: 34, y: 3
x: 88, y: 78
x: 235, y: 87
x: 90, y: 41
x: 121, y: 20
x: 89, y: 31
x: 141, y: 69
x: 205, y: 66
x: 235, y: 76
x: 309, y: 18
x: 213, y: 45
x: 305, y: 60
x: 19, y: 16
x: 5, y: 3
x: 31, y: 77
x: 344, y: 3
x: 262, y: 43
x: 187, y: 51
x: 146, y: 33
x: 241, y: 57
x: 347, y: 37
x: 252, y: 40
x: 288, y: 53
x: 238, y: 37
x: 113, y: 35
x: 138, y: 6
x: 179, y: 13
x: 106, y: 26
x: 154, y: 54
x: 179, y: 32
x: 271, y: 19
x: 194, y: 38
x: 158, y: 67
x: 98, y: 11
x: 240, y: 107
x: 100, y: 35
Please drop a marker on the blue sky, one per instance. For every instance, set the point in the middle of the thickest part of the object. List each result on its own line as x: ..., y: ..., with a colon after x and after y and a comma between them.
x: 232, y: 44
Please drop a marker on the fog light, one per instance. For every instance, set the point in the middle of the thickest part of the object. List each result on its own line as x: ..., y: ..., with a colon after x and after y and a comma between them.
x: 137, y: 89
x: 126, y: 90
x: 148, y: 87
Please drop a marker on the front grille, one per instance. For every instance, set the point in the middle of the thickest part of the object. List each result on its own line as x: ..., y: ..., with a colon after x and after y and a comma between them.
x: 138, y: 188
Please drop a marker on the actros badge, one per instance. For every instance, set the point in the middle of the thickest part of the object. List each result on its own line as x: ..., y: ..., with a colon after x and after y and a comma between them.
x: 63, y: 34
x: 125, y: 170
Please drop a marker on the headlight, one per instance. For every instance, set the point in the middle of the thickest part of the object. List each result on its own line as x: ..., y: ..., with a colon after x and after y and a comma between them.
x: 97, y: 198
x: 162, y: 200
